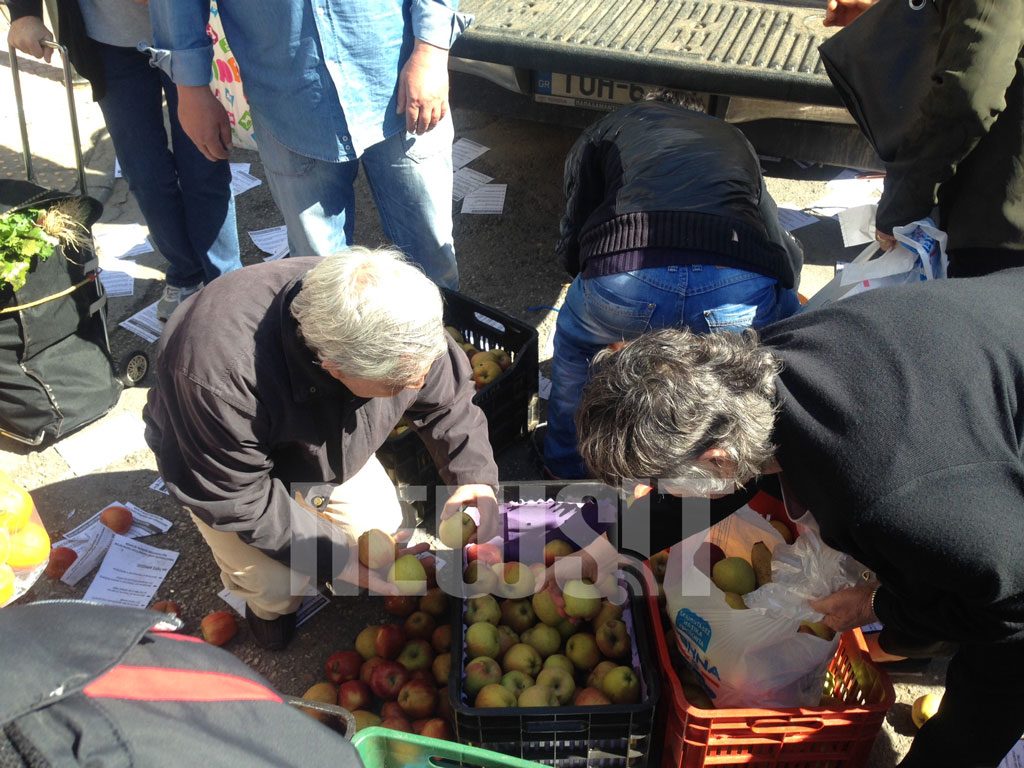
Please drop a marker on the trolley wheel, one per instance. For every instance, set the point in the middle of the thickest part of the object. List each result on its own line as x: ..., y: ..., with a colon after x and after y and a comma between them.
x: 134, y: 367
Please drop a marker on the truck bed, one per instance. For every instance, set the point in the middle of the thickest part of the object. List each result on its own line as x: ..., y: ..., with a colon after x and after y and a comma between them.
x: 760, y: 50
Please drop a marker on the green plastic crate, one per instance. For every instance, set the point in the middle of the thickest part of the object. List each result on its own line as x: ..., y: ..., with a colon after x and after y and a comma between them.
x: 384, y: 748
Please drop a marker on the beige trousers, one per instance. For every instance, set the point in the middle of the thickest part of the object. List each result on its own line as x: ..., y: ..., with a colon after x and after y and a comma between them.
x: 366, y: 500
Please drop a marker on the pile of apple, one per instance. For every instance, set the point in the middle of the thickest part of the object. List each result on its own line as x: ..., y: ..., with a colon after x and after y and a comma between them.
x: 488, y: 365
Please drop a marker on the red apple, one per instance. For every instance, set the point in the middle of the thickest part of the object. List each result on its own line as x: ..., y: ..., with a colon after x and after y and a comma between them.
x: 392, y: 709
x: 389, y: 641
x: 388, y: 679
x: 613, y: 639
x: 61, y: 559
x: 486, y: 372
x: 422, y: 674
x: 419, y: 626
x: 376, y: 549
x: 435, y: 602
x: 118, y: 519
x: 441, y: 639
x: 488, y: 554
x: 162, y: 606
x: 435, y: 728
x: 518, y: 615
x: 218, y: 627
x: 556, y: 548
x: 417, y: 654
x: 366, y: 641
x: 418, y: 698
x: 397, y: 724
x: 343, y: 666
x: 368, y: 668
x: 400, y: 605
x: 481, y: 672
x: 353, y: 695
x: 441, y: 667
x: 590, y: 697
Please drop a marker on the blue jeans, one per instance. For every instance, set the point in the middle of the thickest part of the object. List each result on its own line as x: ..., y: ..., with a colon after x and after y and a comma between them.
x: 185, y: 199
x: 410, y: 178
x: 599, y: 311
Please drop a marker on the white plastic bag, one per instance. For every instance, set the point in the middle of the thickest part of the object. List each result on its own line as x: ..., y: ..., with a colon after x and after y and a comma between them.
x: 920, y: 254
x: 756, y: 657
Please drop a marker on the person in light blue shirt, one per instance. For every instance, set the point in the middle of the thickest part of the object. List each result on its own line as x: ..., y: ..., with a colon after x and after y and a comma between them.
x: 332, y: 84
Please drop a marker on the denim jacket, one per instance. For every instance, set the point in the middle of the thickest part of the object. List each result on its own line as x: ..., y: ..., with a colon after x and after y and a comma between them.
x: 321, y: 75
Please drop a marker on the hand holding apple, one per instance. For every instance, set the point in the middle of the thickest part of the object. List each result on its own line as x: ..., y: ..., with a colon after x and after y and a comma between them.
x: 479, y: 496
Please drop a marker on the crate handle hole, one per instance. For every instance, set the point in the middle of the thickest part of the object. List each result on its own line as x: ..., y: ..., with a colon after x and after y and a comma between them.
x: 556, y: 726
x: 500, y: 327
x: 788, y: 726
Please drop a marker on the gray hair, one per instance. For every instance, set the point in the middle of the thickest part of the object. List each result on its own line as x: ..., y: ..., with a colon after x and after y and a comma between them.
x: 372, y: 314
x: 653, y: 407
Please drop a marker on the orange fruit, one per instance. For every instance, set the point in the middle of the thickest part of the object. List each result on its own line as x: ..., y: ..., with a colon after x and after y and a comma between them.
x: 15, y: 504
x: 6, y: 584
x: 29, y: 547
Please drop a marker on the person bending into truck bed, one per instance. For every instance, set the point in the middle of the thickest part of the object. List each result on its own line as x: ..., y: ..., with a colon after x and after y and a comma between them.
x: 667, y: 223
x: 896, y: 419
x: 295, y: 371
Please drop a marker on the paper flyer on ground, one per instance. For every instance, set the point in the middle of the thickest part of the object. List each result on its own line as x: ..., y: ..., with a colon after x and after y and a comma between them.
x: 131, y: 573
x: 145, y: 324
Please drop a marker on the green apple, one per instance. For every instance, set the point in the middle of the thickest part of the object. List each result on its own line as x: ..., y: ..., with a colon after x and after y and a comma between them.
x: 559, y: 681
x: 609, y: 611
x: 483, y: 608
x: 559, y: 661
x: 538, y: 696
x: 545, y: 609
x: 566, y: 629
x: 582, y: 650
x: 817, y: 628
x: 735, y: 601
x: 555, y: 549
x: 456, y: 531
x: 515, y: 580
x: 494, y: 696
x: 522, y: 657
x: 481, y: 672
x: 597, y: 675
x: 366, y: 641
x: 407, y: 573
x: 612, y: 639
x: 455, y: 334
x: 621, y: 686
x: 734, y: 574
x: 582, y: 600
x: 544, y: 639
x: 516, y: 681
x: 482, y: 639
x: 480, y: 579
x: 376, y: 549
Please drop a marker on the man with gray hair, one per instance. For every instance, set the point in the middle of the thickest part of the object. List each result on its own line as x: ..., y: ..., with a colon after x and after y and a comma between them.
x: 895, y: 418
x: 296, y: 371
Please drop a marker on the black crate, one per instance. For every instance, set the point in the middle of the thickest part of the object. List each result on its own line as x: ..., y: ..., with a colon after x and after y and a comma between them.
x: 509, y: 402
x: 610, y: 736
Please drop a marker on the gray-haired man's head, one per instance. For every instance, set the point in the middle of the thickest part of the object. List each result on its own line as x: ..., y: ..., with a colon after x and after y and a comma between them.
x: 693, y: 411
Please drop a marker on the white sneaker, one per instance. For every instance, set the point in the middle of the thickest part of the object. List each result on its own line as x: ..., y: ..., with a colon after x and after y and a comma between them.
x: 172, y: 299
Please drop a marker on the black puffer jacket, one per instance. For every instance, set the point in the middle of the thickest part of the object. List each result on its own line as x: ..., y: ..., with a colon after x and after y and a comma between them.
x: 652, y: 180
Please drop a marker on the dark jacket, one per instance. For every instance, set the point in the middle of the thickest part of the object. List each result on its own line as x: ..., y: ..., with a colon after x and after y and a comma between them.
x: 70, y: 33
x: 901, y: 429
x: 652, y: 181
x: 97, y: 685
x: 240, y: 410
x: 966, y: 150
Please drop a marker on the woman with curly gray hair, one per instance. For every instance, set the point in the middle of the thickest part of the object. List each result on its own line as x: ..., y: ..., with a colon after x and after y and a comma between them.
x: 895, y: 418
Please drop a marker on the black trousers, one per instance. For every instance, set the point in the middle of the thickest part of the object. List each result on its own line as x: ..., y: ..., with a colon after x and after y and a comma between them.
x: 982, y: 712
x: 975, y: 262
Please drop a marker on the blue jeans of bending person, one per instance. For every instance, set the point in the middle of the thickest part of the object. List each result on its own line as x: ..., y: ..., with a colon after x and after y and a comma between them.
x: 185, y: 199
x: 599, y: 311
x: 409, y: 176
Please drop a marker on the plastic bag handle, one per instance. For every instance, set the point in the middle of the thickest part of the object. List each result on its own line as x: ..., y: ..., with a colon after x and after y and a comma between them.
x: 778, y: 725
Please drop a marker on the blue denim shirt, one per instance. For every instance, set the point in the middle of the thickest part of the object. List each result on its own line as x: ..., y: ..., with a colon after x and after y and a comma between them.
x: 321, y: 75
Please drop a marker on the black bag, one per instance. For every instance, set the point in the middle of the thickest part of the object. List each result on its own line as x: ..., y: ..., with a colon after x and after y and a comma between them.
x: 882, y: 65
x: 92, y: 685
x: 56, y: 373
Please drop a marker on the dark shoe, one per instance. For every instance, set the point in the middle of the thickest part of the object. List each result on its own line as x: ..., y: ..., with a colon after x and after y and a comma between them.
x: 272, y: 634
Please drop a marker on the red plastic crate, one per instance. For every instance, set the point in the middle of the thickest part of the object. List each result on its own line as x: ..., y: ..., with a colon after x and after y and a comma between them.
x: 818, y: 737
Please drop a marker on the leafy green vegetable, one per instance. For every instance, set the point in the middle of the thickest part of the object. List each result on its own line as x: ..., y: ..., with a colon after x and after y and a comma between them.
x: 21, y: 241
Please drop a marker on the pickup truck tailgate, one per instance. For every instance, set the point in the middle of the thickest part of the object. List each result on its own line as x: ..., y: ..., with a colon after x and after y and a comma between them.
x: 740, y: 48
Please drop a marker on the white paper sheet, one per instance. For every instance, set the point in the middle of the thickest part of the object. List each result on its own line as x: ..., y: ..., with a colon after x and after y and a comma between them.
x: 309, y: 608
x: 91, y: 539
x: 1015, y: 759
x: 242, y: 181
x: 280, y: 253
x: 122, y: 241
x: 131, y: 573
x: 858, y: 224
x: 159, y: 486
x: 543, y: 386
x: 144, y: 523
x: 243, y: 167
x: 849, y: 190
x: 270, y: 240
x: 466, y: 180
x: 465, y: 151
x: 100, y: 444
x: 145, y: 324
x: 117, y: 283
x: 792, y: 219
x: 488, y: 199
x: 117, y: 168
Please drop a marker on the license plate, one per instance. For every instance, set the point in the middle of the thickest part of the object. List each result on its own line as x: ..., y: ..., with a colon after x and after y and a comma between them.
x: 590, y: 92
